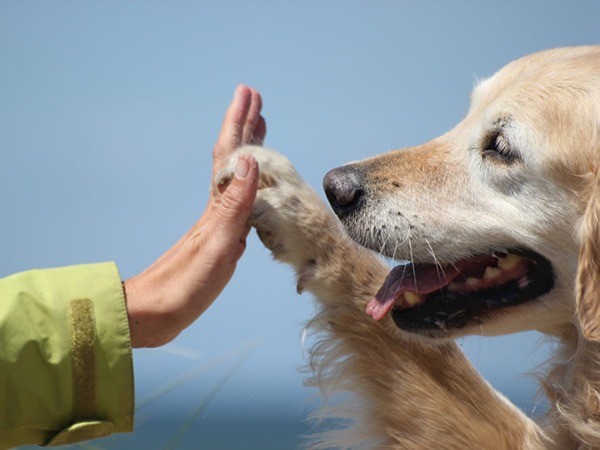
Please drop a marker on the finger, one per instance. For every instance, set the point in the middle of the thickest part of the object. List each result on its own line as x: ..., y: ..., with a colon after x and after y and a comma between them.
x: 230, y: 136
x: 260, y: 131
x: 252, y: 118
x: 233, y: 209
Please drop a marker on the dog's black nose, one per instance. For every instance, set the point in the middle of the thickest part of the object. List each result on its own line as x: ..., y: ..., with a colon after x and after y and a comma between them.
x: 343, y: 188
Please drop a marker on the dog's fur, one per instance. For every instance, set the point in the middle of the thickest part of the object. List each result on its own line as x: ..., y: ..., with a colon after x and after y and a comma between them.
x: 437, y: 203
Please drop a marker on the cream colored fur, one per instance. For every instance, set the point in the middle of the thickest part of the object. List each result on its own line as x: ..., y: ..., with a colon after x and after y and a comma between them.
x: 419, y: 391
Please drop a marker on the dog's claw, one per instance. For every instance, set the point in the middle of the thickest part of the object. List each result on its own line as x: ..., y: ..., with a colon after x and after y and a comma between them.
x: 223, y: 179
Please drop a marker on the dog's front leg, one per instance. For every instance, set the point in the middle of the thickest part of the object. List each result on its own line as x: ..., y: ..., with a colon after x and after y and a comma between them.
x: 414, y: 395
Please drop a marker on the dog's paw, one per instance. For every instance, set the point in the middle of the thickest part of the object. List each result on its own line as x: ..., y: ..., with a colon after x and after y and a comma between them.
x: 275, y: 169
x: 278, y: 186
x: 287, y: 213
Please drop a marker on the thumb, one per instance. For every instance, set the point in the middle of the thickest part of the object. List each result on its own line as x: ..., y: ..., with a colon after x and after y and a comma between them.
x: 235, y: 205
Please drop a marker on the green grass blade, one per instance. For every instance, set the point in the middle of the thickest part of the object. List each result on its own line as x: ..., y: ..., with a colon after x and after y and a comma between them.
x: 195, y: 372
x: 210, y: 395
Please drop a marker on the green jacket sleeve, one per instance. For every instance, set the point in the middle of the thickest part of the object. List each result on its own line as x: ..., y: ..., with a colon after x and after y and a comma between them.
x: 66, y: 371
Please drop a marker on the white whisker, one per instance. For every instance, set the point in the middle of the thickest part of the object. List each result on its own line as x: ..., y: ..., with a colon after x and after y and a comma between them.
x: 412, y: 260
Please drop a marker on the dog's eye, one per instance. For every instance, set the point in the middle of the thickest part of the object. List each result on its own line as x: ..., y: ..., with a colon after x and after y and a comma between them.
x: 496, y: 146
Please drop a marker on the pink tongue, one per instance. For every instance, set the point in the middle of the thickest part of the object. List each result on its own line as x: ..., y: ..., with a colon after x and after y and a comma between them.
x: 421, y: 279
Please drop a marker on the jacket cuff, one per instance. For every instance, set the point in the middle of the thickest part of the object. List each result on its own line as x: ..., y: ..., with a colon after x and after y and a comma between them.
x: 79, y: 326
x: 103, y: 397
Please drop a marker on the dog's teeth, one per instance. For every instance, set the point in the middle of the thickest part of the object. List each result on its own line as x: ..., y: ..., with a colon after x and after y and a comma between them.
x: 441, y: 324
x: 456, y: 314
x: 491, y: 273
x: 412, y: 298
x: 509, y: 261
x: 454, y: 286
x: 472, y: 282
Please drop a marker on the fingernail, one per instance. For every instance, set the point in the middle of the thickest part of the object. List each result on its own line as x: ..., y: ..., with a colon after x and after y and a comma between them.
x: 241, y: 168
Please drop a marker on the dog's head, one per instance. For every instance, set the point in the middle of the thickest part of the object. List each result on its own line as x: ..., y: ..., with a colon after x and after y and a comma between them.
x: 493, y: 215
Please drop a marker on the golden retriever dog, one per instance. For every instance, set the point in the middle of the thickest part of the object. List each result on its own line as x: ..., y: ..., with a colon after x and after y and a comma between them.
x: 496, y: 228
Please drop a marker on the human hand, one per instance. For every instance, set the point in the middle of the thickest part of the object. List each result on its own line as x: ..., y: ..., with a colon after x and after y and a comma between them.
x: 178, y: 287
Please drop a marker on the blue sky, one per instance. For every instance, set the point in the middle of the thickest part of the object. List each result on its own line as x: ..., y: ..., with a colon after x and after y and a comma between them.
x: 109, y: 110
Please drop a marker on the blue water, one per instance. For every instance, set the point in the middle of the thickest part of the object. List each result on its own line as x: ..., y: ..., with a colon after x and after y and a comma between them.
x: 206, y: 433
x: 165, y: 434
x: 254, y: 432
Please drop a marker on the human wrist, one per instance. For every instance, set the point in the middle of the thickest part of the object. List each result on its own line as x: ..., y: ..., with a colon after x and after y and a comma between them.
x: 148, y: 326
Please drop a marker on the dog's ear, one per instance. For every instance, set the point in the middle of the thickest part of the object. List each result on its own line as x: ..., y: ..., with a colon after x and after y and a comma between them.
x: 588, y: 271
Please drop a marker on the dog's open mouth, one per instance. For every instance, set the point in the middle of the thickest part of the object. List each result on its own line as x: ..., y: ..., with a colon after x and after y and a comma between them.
x: 431, y: 296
